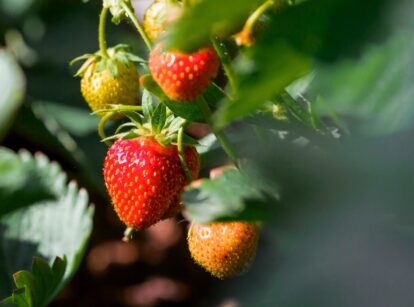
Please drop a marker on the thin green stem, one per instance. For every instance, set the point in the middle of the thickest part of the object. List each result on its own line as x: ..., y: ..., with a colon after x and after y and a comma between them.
x: 181, y: 154
x: 101, y: 127
x: 251, y: 21
x: 102, y: 39
x: 225, y: 59
x: 221, y: 137
x: 137, y: 25
x: 122, y: 107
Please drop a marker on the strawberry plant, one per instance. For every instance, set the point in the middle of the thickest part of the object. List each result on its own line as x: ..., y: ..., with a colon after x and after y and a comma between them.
x: 189, y: 147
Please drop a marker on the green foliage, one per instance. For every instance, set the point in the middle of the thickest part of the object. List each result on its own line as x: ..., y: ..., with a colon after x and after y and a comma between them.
x: 39, y: 287
x: 323, y: 172
x: 379, y: 82
x: 216, y: 200
x: 187, y: 110
x: 59, y: 223
x: 16, y: 177
x: 210, y: 18
x: 12, y: 89
x: 257, y: 81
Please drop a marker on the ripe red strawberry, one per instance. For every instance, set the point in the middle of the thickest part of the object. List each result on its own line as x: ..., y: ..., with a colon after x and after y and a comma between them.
x: 224, y: 249
x: 144, y: 179
x: 183, y: 77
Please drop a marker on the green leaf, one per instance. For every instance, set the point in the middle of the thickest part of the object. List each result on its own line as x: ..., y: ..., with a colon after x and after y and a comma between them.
x: 37, y: 288
x: 322, y: 28
x: 375, y: 89
x: 209, y: 18
x: 234, y: 195
x: 41, y: 229
x: 76, y: 121
x: 270, y: 67
x: 16, y: 177
x: 12, y: 88
x: 16, y: 8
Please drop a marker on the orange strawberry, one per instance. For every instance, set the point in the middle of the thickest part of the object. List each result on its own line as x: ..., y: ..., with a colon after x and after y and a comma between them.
x: 224, y: 249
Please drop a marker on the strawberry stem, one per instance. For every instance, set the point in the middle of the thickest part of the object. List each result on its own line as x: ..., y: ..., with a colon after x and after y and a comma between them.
x: 181, y: 154
x: 137, y: 25
x: 128, y: 234
x: 225, y: 60
x: 102, y: 39
x: 101, y: 127
x: 251, y: 21
x: 221, y: 137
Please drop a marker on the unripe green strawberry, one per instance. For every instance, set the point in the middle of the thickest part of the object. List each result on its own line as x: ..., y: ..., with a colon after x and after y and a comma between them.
x: 109, y: 80
x: 158, y: 16
x: 100, y: 89
x: 183, y: 77
x: 224, y: 249
x: 144, y: 179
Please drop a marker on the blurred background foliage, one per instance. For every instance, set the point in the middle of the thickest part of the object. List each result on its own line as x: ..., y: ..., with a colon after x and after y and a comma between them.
x: 338, y: 211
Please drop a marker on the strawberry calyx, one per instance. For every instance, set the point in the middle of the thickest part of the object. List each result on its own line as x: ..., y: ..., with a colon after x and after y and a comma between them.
x: 118, y: 9
x: 155, y: 121
x: 118, y: 55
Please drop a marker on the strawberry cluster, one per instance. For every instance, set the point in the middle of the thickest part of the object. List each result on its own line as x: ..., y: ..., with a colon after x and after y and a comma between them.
x: 148, y: 166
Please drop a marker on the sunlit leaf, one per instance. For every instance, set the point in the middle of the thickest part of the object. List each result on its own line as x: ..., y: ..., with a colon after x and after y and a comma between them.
x: 45, y: 228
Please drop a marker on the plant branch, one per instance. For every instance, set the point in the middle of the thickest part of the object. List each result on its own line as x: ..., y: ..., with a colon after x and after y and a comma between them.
x: 137, y: 25
x: 251, y: 21
x: 221, y: 137
x: 101, y: 127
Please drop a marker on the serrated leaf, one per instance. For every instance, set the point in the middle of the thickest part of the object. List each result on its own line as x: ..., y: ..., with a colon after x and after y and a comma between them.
x: 37, y: 288
x: 12, y: 88
x: 231, y: 196
x: 40, y: 229
x: 16, y: 177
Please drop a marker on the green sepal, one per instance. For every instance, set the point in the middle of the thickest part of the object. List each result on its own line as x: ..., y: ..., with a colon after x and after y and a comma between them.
x: 135, y: 117
x: 187, y: 110
x: 118, y: 55
x: 147, y: 105
x: 112, y: 66
x: 158, y: 118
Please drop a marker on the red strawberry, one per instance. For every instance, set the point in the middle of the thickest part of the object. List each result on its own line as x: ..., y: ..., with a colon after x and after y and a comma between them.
x: 144, y: 179
x: 183, y: 77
